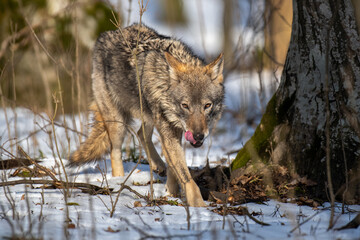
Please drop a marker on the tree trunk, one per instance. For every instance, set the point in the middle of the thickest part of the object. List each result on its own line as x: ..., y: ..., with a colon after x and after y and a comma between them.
x: 321, y: 73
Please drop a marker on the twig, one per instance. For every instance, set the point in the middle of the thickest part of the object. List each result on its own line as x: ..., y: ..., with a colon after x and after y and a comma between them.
x: 303, y: 222
x: 327, y: 131
x: 52, y: 118
x: 38, y: 40
x: 49, y: 173
x: 202, y: 26
x: 246, y: 211
x: 13, y: 106
x: 129, y: 13
x: 2, y: 98
x: 123, y: 183
x: 142, y: 11
x: 63, y: 126
x: 8, y: 40
x: 146, y: 198
x: 188, y: 216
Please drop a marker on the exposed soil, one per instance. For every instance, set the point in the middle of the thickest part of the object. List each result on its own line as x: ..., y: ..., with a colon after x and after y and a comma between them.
x: 258, y: 185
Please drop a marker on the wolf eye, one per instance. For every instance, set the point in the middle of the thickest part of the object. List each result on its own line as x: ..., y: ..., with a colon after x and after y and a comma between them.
x: 207, y: 106
x: 184, y: 105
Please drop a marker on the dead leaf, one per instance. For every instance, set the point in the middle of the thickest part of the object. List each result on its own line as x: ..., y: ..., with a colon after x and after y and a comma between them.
x: 137, y: 204
x: 71, y: 226
x: 109, y: 229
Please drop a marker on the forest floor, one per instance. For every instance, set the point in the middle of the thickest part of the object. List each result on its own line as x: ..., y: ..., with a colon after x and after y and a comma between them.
x: 47, y: 201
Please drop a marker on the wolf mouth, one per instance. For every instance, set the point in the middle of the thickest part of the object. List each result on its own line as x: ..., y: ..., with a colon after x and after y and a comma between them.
x: 197, y: 144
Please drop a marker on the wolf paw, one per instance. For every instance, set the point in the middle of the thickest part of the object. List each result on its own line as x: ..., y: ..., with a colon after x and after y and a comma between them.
x: 172, y: 190
x: 193, y: 195
x: 161, y: 173
x: 159, y: 168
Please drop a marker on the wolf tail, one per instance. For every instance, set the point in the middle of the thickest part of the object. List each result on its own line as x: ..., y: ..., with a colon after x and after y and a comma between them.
x: 96, y: 145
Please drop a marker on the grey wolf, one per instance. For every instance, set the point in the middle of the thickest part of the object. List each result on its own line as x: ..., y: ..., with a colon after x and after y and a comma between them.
x: 180, y: 94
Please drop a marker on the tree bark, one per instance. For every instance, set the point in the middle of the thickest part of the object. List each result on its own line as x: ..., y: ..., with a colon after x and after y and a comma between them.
x: 324, y: 50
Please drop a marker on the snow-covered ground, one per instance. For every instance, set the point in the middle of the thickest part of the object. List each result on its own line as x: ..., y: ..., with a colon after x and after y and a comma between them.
x: 91, y: 215
x: 28, y: 211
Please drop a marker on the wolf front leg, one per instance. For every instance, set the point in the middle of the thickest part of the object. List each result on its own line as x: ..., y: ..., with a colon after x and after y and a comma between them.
x: 172, y: 185
x: 175, y: 157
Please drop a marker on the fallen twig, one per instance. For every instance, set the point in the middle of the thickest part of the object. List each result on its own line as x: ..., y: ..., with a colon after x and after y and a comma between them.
x: 239, y: 211
x: 86, y: 187
x: 50, y: 174
x: 146, y: 198
x: 355, y: 223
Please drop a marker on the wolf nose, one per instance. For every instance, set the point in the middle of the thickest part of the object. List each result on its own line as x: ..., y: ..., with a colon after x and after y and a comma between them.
x: 199, y: 137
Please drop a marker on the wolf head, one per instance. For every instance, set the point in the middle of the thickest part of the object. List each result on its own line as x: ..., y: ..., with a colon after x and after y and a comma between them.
x: 197, y: 93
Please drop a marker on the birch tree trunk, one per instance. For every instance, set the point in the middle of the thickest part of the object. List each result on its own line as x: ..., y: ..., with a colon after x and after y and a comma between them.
x: 321, y: 75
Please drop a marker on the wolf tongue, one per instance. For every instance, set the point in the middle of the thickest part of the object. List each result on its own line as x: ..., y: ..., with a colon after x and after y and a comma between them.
x: 189, y: 137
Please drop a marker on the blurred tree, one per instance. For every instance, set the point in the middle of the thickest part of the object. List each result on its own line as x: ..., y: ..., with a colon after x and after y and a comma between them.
x: 314, y: 115
x: 278, y: 18
x: 46, y: 41
x: 228, y: 20
x: 172, y: 12
x: 356, y: 4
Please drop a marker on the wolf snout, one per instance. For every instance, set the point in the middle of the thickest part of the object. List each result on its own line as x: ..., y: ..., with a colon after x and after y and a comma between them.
x: 196, y: 140
x: 199, y: 137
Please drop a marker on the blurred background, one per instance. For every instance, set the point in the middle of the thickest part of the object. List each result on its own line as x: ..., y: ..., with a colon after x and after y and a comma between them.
x: 46, y: 49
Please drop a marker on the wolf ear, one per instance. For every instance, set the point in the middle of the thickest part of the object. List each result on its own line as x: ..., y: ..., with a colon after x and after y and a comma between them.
x: 174, y: 64
x: 215, y: 68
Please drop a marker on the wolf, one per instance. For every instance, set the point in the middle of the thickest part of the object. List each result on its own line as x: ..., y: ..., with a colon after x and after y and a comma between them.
x: 178, y: 95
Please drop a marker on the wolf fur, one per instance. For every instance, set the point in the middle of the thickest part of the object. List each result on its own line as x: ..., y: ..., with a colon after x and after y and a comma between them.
x: 180, y: 93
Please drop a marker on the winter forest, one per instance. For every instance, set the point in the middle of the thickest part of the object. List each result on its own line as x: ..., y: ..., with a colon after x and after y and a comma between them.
x: 283, y: 161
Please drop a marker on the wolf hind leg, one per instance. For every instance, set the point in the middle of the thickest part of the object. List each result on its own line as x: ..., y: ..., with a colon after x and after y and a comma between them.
x: 157, y: 163
x: 117, y: 131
